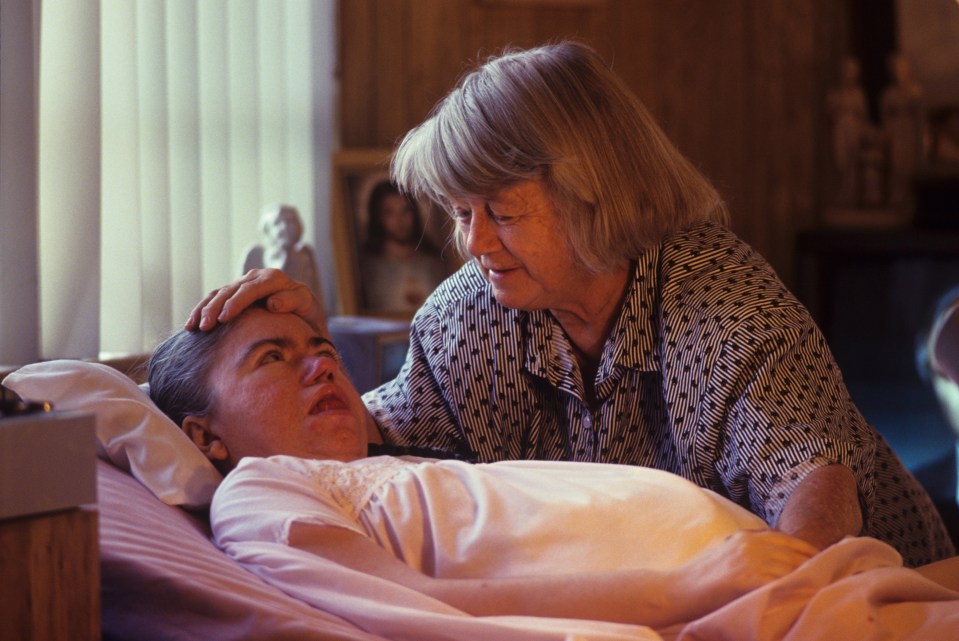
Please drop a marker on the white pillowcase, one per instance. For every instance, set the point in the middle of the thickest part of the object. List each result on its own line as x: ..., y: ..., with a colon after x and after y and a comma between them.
x: 132, y: 433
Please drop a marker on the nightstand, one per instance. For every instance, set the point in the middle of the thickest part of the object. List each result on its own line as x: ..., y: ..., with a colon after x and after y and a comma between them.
x: 49, y: 551
x: 50, y: 566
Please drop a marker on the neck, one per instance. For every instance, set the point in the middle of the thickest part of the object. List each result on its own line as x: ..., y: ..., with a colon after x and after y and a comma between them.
x: 589, y: 324
x: 396, y: 250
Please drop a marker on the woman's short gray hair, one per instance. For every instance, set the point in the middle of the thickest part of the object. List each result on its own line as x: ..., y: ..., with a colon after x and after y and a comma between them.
x: 558, y: 113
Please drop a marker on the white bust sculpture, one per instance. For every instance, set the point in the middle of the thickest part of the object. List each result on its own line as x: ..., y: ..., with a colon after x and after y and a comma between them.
x: 282, y: 247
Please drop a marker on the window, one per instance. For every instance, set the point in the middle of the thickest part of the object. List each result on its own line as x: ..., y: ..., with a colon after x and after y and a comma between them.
x: 161, y: 129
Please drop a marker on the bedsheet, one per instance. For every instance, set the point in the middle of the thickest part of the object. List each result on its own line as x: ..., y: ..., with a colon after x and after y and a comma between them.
x: 857, y: 589
x: 164, y: 580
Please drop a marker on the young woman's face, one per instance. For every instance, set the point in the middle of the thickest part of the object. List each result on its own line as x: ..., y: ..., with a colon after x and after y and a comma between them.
x: 516, y: 239
x: 279, y: 388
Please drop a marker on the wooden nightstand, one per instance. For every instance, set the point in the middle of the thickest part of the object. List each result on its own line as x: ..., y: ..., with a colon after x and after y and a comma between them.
x: 49, y: 551
x: 50, y: 566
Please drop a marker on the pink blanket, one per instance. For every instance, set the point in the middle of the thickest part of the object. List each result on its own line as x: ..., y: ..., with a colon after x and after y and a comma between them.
x: 855, y: 590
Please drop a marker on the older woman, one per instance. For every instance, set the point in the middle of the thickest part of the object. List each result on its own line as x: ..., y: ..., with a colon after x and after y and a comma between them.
x: 608, y: 315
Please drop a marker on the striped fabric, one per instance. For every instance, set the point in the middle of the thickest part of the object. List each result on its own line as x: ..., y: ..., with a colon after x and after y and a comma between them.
x: 713, y: 371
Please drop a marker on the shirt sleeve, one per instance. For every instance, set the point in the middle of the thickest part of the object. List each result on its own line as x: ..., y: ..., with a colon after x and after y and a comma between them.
x: 789, y: 412
x: 262, y: 498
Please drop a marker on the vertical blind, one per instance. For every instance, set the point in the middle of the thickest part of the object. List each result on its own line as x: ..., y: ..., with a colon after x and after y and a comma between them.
x: 164, y: 126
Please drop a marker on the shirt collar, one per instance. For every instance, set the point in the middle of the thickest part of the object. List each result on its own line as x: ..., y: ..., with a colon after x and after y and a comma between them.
x: 631, y: 344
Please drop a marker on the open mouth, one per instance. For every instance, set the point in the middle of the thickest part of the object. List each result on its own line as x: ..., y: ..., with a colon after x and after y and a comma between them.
x: 329, y: 401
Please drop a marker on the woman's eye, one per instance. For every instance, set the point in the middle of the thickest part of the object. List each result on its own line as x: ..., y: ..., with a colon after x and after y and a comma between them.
x: 272, y: 356
x: 462, y: 215
x: 499, y: 219
x: 329, y: 353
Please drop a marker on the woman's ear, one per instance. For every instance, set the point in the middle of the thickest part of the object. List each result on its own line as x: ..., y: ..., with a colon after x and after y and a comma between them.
x: 198, y: 429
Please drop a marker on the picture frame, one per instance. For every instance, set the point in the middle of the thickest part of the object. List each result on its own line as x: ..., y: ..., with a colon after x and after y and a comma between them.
x: 372, y: 281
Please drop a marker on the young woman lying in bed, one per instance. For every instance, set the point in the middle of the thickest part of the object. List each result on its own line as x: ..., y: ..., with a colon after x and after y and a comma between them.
x: 267, y: 400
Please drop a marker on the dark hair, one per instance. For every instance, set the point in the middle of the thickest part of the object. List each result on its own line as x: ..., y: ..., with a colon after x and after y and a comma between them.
x: 178, y: 369
x: 376, y: 232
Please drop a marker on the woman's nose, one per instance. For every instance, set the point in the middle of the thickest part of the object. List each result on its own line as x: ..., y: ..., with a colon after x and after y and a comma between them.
x: 319, y: 368
x: 481, y: 235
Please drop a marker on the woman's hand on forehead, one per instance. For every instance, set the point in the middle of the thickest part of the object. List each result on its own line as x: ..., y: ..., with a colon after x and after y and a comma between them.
x: 282, y: 294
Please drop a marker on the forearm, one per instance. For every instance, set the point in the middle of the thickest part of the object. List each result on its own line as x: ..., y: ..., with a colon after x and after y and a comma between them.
x: 644, y: 597
x: 653, y: 598
x: 627, y: 596
x: 824, y: 508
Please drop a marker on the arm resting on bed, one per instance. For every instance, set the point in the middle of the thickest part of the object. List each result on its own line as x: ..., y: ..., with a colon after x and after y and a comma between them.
x: 746, y: 560
x: 824, y: 508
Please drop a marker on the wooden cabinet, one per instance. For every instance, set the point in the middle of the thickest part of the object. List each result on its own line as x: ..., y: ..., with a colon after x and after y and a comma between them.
x: 50, y: 577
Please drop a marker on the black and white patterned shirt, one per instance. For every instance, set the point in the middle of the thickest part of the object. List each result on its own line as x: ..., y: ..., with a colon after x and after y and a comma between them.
x: 713, y: 371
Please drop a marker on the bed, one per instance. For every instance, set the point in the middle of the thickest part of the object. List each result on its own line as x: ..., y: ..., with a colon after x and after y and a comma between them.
x: 163, y: 578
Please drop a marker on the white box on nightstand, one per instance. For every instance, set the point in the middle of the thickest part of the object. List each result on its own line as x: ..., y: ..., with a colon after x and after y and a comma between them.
x: 47, y: 462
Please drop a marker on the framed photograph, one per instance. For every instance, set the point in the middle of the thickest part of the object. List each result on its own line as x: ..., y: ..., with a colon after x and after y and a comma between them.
x: 391, y: 251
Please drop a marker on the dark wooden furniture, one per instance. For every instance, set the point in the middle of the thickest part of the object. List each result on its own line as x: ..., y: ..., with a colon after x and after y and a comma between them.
x: 51, y: 577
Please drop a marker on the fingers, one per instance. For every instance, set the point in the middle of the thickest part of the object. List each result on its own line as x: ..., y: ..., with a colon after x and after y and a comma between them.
x: 745, y: 561
x: 194, y: 320
x: 226, y: 303
x: 768, y: 542
x: 770, y: 554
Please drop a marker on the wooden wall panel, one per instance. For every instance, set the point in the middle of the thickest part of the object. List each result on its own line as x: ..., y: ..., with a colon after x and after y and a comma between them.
x: 739, y: 85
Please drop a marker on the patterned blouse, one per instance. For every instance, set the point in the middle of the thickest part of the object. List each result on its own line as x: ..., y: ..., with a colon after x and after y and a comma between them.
x: 713, y: 371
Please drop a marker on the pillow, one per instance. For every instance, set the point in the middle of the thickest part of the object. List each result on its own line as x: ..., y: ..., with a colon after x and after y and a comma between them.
x: 132, y: 432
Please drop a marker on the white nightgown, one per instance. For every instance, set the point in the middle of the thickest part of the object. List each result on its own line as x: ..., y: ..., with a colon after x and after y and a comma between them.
x: 454, y: 519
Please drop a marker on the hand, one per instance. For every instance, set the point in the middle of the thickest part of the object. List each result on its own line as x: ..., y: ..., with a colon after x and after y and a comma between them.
x: 283, y: 294
x: 746, y: 560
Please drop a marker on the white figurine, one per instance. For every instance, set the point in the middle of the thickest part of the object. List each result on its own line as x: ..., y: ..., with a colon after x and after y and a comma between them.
x: 850, y: 130
x: 282, y: 247
x: 903, y: 125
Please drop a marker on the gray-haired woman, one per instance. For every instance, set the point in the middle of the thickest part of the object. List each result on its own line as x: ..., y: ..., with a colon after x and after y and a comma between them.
x: 609, y: 315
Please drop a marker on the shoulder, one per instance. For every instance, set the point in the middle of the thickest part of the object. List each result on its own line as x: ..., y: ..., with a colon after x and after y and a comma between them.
x: 467, y: 282
x: 254, y: 257
x: 257, y: 498
x: 711, y: 262
x: 713, y: 281
x: 705, y: 246
x: 272, y: 473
